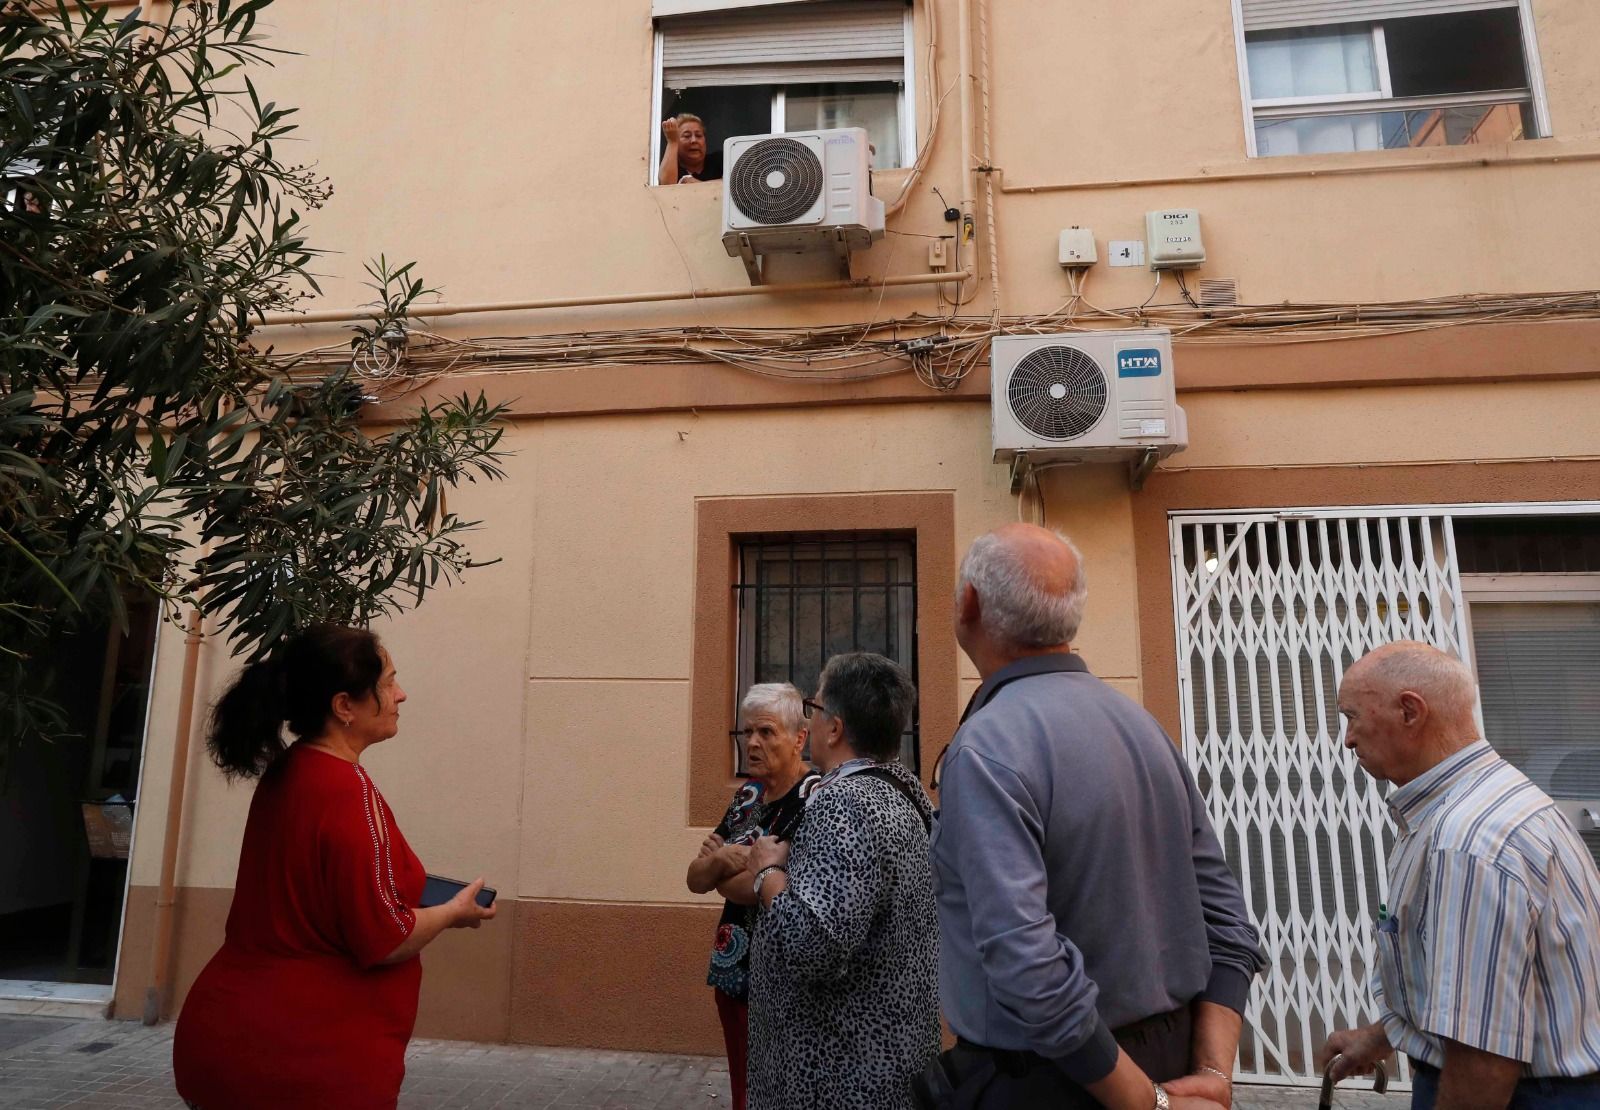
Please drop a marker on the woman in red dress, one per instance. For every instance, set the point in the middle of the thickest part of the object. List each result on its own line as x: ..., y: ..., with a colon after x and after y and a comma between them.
x: 311, y: 999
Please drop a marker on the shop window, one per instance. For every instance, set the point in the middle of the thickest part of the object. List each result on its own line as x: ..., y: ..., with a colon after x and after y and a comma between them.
x: 790, y: 67
x: 1317, y: 84
x: 1532, y: 587
x: 801, y: 599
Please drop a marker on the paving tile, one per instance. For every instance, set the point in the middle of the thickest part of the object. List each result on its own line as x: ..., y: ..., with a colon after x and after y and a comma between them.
x: 42, y: 1068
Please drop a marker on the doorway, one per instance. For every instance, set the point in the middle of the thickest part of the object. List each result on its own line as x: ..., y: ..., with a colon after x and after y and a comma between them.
x: 67, y: 807
x: 1272, y: 606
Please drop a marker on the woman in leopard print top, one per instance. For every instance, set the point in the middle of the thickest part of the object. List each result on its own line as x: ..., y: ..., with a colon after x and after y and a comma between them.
x: 844, y: 974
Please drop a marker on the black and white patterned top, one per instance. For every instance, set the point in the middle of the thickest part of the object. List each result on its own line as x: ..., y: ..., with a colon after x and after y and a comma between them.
x: 844, y: 991
x: 750, y: 815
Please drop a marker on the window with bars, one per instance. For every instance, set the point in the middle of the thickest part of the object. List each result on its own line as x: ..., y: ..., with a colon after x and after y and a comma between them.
x: 802, y: 599
x: 1332, y: 76
x: 790, y: 67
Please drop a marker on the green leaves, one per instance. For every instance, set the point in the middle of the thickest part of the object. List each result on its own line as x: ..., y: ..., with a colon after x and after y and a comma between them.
x: 147, y: 446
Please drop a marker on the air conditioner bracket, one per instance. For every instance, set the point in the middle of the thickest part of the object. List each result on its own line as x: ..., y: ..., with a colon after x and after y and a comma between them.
x: 1139, y: 469
x: 841, y: 250
x: 1019, y: 471
x: 751, y: 260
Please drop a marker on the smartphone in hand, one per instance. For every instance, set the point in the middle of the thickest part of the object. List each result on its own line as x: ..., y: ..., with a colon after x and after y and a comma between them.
x: 438, y: 890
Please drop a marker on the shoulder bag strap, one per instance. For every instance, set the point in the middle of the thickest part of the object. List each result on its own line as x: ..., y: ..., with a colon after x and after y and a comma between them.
x: 893, y: 780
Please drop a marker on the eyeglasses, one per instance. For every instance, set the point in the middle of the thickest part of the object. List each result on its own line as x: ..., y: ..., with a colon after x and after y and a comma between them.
x: 812, y: 707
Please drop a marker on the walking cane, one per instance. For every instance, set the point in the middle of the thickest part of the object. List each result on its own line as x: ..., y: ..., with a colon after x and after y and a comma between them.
x: 1380, y: 1082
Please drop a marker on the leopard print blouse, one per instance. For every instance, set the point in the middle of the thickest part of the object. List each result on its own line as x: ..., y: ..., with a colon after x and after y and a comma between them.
x: 844, y: 992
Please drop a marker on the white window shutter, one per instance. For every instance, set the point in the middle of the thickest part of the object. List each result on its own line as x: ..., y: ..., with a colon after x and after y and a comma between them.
x: 1270, y: 15
x: 820, y: 42
x: 660, y: 8
x: 1536, y: 666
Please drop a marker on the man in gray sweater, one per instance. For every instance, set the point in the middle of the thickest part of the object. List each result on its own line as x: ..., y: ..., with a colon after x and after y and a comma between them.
x: 1095, y: 948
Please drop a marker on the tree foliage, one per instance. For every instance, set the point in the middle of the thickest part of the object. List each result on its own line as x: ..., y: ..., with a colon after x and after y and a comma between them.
x: 148, y: 445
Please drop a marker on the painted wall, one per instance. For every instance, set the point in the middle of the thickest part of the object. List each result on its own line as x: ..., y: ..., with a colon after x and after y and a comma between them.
x: 544, y: 743
x: 504, y: 147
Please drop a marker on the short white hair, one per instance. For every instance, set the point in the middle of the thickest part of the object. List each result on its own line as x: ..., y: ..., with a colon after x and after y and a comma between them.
x: 1016, y: 609
x: 780, y: 699
x: 1444, y: 681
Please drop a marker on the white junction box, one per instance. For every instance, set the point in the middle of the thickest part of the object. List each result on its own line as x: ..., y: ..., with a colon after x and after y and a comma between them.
x: 1126, y: 252
x: 1077, y: 248
x: 1173, y: 239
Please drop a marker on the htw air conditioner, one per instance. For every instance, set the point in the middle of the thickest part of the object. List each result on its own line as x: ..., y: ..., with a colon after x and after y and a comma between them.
x: 1090, y: 397
x: 798, y: 192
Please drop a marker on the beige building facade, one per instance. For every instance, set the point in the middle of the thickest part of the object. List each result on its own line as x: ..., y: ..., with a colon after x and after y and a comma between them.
x: 567, y: 733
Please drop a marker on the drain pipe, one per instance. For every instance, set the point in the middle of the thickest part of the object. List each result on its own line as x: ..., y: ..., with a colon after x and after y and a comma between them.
x: 158, y: 994
x: 989, y: 231
x: 969, y: 166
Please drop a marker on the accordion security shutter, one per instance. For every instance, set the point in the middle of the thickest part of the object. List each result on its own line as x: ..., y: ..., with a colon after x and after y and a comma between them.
x: 1267, y: 15
x: 793, y: 43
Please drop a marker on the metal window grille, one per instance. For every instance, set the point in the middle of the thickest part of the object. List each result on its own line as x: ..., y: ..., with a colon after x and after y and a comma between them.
x: 1271, y: 609
x: 801, y: 599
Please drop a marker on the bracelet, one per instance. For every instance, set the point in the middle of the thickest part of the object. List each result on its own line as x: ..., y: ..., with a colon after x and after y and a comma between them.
x: 761, y: 876
x: 1219, y: 1074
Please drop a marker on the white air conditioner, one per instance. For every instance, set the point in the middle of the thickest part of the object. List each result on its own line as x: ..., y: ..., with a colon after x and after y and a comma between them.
x: 1085, y: 397
x: 798, y: 192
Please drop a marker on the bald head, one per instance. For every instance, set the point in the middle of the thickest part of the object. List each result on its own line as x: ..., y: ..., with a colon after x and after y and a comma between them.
x: 1440, y: 679
x: 1407, y: 706
x: 1030, y: 586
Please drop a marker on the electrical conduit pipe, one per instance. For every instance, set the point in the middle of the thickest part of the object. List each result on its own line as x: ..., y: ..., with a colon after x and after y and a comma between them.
x: 159, y: 993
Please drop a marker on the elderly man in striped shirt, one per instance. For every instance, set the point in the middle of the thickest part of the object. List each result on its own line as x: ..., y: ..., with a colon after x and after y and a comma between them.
x: 1488, y: 972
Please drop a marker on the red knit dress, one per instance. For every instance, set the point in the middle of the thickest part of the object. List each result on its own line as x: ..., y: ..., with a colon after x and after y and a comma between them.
x: 295, y: 1008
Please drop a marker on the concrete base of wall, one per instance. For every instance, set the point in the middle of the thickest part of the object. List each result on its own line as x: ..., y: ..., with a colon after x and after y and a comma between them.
x: 591, y: 974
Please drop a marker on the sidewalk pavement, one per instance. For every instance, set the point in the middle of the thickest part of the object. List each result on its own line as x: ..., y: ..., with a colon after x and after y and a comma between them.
x: 114, y: 1065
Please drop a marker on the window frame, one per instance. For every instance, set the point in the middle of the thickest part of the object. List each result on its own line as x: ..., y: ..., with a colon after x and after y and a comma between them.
x: 1367, y: 103
x: 905, y: 100
x: 721, y: 522
x: 1385, y: 90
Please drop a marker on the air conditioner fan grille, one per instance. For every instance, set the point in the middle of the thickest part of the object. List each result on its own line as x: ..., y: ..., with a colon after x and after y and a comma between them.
x: 776, y: 180
x: 1057, y: 392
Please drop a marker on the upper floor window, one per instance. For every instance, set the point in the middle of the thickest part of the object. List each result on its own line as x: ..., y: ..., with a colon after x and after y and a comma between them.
x: 787, y: 67
x: 1332, y: 76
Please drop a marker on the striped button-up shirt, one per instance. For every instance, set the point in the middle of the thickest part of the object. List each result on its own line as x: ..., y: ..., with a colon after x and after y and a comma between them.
x: 1494, y: 936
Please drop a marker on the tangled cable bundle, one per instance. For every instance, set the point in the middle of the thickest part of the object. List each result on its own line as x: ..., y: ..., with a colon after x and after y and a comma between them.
x: 941, y: 350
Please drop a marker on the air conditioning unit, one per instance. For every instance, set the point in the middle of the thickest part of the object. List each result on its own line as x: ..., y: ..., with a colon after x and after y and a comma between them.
x: 1086, y: 397
x: 798, y: 192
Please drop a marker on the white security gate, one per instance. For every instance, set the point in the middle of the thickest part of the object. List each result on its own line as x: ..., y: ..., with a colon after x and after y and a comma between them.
x: 1270, y: 610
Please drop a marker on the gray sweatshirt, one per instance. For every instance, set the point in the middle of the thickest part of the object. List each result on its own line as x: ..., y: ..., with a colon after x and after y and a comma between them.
x: 1080, y: 884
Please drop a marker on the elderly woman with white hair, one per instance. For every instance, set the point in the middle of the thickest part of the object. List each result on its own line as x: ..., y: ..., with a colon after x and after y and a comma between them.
x: 770, y: 803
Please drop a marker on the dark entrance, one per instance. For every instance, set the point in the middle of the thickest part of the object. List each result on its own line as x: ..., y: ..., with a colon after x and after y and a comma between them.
x: 66, y: 809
